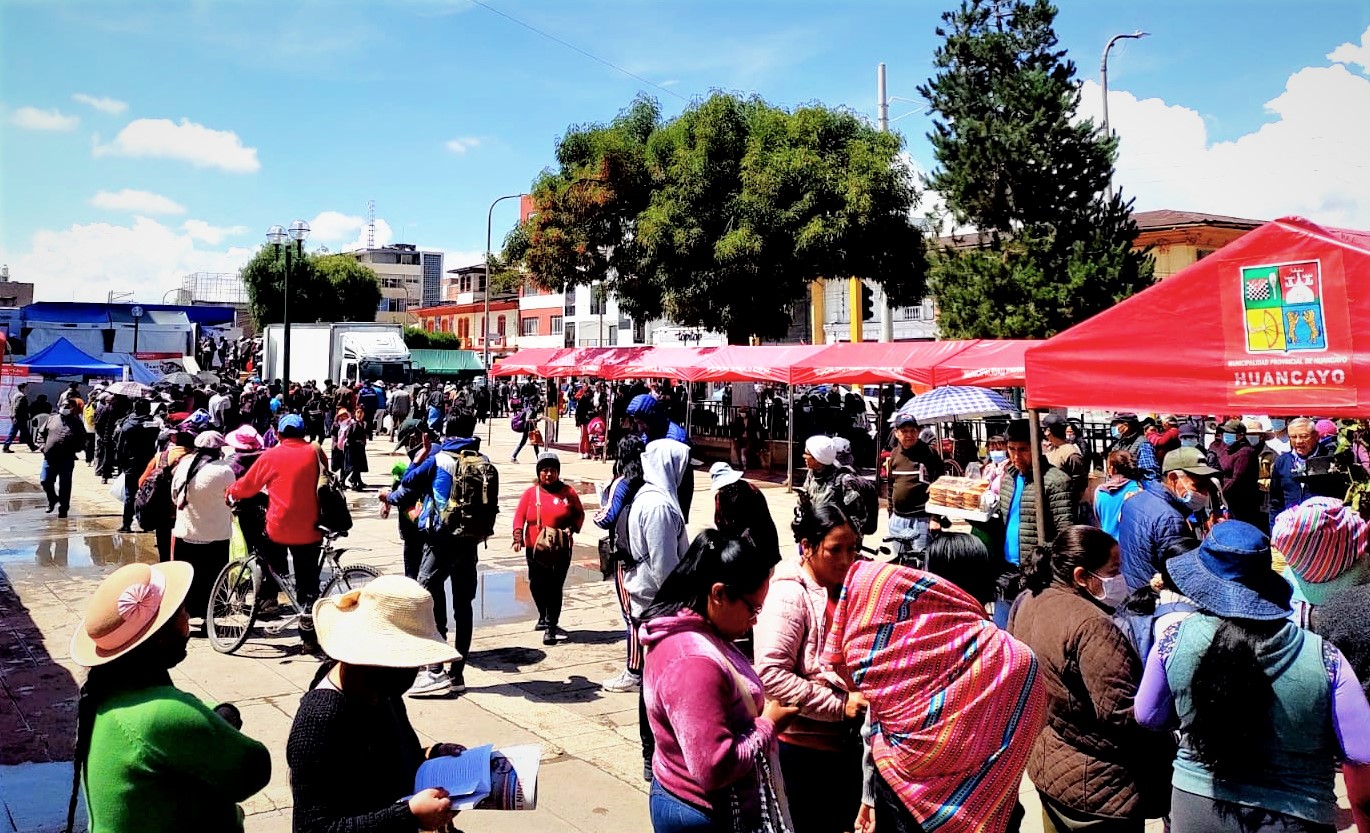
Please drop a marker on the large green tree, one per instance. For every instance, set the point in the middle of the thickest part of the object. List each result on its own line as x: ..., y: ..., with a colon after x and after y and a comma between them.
x: 324, y: 287
x: 721, y: 217
x: 1016, y: 163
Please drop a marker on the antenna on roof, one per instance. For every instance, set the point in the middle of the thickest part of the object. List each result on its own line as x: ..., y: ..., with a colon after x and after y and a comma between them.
x: 370, y: 224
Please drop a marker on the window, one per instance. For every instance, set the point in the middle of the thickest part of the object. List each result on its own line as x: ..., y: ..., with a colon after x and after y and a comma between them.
x: 530, y: 326
x: 612, y: 340
x: 463, y: 327
x: 556, y: 324
x: 570, y: 335
x: 499, y: 326
x: 597, y: 301
x: 570, y: 303
x: 1200, y: 254
x: 639, y: 332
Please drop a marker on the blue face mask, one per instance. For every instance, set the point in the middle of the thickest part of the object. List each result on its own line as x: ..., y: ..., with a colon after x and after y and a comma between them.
x: 1277, y: 425
x: 1254, y: 439
x: 998, y: 456
x: 1189, y: 442
x: 1229, y: 438
x: 1117, y: 432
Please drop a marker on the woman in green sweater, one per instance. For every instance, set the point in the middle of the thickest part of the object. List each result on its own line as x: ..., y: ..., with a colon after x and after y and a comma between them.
x: 154, y: 758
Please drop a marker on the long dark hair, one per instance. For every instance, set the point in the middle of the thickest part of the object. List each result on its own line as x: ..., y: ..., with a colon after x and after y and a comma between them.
x: 713, y: 558
x: 740, y: 510
x: 813, y: 523
x: 1232, y: 700
x: 1076, y: 546
x: 963, y: 560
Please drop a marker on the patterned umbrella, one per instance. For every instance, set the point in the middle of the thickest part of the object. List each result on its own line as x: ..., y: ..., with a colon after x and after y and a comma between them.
x: 131, y: 389
x: 179, y: 377
x: 945, y: 404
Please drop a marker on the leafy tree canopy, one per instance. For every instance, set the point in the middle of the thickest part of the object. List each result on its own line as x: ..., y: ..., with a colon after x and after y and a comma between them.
x: 417, y: 338
x: 721, y: 217
x: 324, y: 287
x: 1017, y: 164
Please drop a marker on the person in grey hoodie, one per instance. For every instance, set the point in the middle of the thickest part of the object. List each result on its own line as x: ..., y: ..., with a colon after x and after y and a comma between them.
x: 656, y: 541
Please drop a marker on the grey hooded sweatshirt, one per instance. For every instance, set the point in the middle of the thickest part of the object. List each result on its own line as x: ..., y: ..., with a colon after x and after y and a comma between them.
x: 656, y: 526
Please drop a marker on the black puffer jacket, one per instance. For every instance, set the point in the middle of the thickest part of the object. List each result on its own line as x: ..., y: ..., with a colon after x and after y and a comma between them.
x: 1059, y: 505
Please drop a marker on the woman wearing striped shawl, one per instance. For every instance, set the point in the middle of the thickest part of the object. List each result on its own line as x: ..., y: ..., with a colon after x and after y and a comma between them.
x: 955, y: 703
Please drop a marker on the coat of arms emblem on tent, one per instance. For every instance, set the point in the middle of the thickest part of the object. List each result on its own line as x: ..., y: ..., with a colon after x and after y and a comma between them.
x: 1282, y: 304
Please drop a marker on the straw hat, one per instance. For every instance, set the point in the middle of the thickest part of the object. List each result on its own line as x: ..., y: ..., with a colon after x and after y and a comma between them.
x: 129, y: 606
x: 388, y: 623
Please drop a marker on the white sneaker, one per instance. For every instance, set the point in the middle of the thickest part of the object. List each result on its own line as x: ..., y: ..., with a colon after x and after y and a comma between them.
x: 625, y: 681
x: 429, y: 683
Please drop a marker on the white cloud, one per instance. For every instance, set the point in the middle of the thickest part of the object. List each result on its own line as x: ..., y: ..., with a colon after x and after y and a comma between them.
x: 1307, y: 160
x: 201, y: 146
x: 206, y: 233
x: 31, y: 118
x: 86, y: 261
x: 1352, y: 53
x: 462, y: 144
x: 334, y: 227
x: 136, y: 202
x: 456, y: 258
x: 104, y: 104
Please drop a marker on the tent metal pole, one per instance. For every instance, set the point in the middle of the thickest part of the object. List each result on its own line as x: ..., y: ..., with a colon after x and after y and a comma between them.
x: 789, y: 447
x: 1038, y: 476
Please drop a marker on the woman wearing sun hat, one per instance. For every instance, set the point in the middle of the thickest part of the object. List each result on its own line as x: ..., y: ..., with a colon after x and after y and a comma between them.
x: 352, y: 751
x: 1265, y: 708
x: 150, y: 756
x: 1326, y: 545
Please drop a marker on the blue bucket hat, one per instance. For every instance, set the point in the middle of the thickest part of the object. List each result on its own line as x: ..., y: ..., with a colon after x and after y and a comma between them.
x: 290, y: 421
x: 1230, y: 574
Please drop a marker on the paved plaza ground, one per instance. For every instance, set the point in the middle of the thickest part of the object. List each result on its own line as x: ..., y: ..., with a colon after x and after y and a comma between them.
x: 518, y: 690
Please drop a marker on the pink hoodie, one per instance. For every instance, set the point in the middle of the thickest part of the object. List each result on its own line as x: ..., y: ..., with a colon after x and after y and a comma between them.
x: 707, y: 740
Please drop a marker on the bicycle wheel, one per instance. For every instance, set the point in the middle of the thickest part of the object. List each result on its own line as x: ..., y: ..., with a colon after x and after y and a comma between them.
x: 349, y: 578
x: 232, y: 606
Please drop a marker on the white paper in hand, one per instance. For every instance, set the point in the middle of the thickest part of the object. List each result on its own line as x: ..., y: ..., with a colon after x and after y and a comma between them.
x: 466, y: 777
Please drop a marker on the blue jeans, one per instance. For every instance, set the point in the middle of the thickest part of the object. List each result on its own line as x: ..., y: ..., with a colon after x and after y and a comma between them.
x: 672, y: 815
x: 916, y: 530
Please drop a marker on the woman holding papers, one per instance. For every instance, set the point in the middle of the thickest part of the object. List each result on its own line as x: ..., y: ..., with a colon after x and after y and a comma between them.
x: 352, y: 752
x: 715, y: 731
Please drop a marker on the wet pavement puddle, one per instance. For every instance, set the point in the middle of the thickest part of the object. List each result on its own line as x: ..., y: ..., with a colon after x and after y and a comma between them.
x: 80, y: 551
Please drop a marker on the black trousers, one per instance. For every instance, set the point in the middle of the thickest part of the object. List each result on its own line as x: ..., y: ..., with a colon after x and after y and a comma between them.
x: 451, y: 560
x: 547, y: 583
x: 208, y: 560
x: 305, y: 558
x: 823, y: 786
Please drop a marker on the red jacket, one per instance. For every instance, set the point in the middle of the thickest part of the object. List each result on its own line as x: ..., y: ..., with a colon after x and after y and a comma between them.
x: 289, y: 473
x: 560, y: 510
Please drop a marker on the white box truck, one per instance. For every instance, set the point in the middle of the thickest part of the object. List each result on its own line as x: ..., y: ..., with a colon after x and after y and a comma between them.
x: 350, y: 350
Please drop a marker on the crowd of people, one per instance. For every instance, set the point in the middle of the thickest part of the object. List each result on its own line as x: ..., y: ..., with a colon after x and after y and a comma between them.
x: 1187, y: 638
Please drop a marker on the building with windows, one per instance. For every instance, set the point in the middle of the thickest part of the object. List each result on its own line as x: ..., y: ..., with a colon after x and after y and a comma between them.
x: 1178, y: 239
x: 14, y: 294
x: 461, y: 307
x: 432, y: 278
x: 402, y: 270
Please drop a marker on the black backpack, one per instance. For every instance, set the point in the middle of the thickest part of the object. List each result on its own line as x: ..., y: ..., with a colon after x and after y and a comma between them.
x: 152, y: 504
x: 334, y: 513
x: 473, y: 501
x: 869, y: 499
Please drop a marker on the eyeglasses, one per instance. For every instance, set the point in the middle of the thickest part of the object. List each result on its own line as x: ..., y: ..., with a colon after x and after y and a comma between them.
x: 753, y: 608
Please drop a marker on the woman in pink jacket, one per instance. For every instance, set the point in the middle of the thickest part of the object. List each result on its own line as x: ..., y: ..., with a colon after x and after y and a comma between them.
x: 714, y: 728
x: 820, y: 752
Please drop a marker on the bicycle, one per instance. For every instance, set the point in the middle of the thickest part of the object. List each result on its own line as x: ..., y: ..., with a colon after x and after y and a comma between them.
x: 235, y: 599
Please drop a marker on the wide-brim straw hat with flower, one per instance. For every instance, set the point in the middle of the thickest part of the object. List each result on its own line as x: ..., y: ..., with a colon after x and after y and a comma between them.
x: 128, y: 607
x: 388, y: 623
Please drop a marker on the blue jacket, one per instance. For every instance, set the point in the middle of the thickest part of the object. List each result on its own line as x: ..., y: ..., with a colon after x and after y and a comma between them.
x: 1285, y: 491
x: 1152, y: 521
x: 430, y: 483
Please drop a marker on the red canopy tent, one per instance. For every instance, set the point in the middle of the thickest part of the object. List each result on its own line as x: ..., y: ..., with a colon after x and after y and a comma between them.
x: 587, y: 361
x: 526, y: 361
x: 1276, y: 322
x: 685, y: 363
x: 870, y: 363
x: 987, y: 363
x: 766, y: 363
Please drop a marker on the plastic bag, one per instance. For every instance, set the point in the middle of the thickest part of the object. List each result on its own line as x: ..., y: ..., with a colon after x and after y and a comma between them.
x: 116, y: 488
x: 237, y: 544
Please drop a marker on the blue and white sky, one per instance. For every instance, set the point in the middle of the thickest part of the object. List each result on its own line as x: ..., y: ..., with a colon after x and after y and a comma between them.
x: 146, y: 139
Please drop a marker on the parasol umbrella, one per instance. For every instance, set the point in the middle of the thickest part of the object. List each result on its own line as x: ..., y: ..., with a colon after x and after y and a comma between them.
x: 130, y: 389
x: 179, y: 377
x: 208, y: 377
x: 950, y: 403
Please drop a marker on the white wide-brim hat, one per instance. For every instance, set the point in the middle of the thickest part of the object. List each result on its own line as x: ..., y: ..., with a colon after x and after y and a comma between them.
x: 388, y: 623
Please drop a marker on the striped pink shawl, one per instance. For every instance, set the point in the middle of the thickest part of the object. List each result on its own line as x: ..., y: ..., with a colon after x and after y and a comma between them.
x: 956, y: 703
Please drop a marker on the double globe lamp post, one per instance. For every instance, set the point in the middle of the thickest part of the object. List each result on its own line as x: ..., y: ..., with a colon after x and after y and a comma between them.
x: 277, y: 237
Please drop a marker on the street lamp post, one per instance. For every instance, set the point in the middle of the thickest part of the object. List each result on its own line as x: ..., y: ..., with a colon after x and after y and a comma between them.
x: 277, y: 237
x: 1103, y: 77
x: 485, y: 319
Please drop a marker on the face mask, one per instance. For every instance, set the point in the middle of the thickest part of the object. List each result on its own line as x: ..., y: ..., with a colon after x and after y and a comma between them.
x: 1189, y: 442
x: 1117, y: 432
x: 1197, y: 502
x: 1070, y: 436
x: 1229, y: 439
x: 65, y: 411
x: 1277, y: 425
x: 1114, y: 590
x: 998, y: 456
x: 1254, y: 439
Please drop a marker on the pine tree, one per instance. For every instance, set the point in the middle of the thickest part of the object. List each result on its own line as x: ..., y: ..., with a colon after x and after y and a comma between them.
x: 1016, y: 163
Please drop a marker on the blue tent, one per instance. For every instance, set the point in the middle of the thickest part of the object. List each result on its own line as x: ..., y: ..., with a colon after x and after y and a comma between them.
x: 62, y: 358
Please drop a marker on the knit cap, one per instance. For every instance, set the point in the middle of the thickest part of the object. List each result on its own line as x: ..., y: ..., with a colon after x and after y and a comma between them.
x: 821, y: 449
x: 1320, y: 538
x: 1325, y: 427
x: 548, y: 460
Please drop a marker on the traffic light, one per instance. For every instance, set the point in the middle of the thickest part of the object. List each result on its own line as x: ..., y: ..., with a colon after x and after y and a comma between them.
x: 867, y: 303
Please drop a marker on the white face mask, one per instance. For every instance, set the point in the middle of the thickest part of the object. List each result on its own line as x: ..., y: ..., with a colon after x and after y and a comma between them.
x: 1114, y: 590
x: 998, y: 456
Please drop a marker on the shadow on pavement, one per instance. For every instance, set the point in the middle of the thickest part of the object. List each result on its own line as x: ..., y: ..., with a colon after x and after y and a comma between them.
x: 508, y: 660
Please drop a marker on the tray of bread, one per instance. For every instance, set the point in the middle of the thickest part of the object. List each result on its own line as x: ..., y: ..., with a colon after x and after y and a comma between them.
x: 959, y: 497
